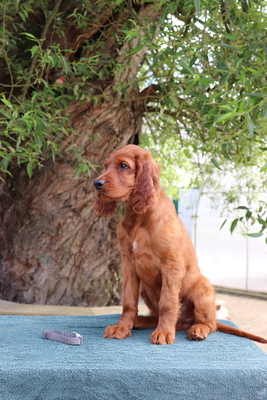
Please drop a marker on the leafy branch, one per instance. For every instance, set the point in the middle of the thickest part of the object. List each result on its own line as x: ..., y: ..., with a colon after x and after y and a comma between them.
x: 40, y: 41
x: 249, y: 219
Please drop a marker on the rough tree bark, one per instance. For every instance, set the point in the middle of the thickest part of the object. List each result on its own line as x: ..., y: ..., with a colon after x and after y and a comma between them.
x: 54, y: 249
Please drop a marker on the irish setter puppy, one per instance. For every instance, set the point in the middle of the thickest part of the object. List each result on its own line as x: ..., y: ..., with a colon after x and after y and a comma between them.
x: 158, y: 259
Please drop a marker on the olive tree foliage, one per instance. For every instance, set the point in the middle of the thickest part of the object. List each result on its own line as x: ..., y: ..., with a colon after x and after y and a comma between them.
x: 202, y: 80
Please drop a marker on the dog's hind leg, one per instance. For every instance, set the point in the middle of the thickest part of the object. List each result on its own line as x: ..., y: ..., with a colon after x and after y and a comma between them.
x: 145, y: 322
x: 203, y: 298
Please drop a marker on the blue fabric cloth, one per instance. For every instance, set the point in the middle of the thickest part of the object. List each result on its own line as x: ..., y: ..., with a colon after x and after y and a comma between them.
x: 221, y: 367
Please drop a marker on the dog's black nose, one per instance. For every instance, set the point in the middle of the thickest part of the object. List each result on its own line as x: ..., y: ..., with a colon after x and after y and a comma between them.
x: 99, y: 184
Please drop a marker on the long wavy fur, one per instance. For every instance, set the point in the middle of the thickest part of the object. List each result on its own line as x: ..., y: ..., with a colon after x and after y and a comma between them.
x: 144, y: 193
x: 105, y: 208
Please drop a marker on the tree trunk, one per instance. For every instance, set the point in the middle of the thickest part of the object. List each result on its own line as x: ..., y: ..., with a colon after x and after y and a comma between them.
x: 54, y: 249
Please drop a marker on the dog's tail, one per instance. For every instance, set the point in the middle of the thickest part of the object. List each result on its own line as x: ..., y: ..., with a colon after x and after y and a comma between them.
x: 234, y: 331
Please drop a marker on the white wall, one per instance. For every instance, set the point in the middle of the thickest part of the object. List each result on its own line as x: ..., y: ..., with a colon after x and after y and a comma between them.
x: 234, y: 261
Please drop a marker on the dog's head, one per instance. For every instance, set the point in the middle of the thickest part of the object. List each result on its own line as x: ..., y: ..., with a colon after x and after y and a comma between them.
x: 131, y: 176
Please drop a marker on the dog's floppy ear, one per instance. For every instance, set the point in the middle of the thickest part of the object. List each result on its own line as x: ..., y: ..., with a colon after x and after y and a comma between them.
x: 105, y: 208
x: 146, y: 186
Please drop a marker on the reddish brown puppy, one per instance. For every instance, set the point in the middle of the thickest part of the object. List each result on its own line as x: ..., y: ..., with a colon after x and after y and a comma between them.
x: 158, y: 259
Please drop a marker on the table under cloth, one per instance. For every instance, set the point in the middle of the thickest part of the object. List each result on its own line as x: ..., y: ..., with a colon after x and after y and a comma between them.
x: 222, y: 367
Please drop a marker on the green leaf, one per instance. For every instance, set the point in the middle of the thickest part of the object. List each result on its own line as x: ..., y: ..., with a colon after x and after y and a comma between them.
x: 261, y: 221
x: 168, y: 102
x: 131, y: 34
x: 264, y: 168
x: 29, y: 169
x: 248, y: 215
x: 224, y: 222
x: 229, y: 36
x: 187, y: 69
x: 30, y: 36
x: 136, y: 49
x: 164, y: 14
x: 253, y: 220
x: 187, y: 153
x: 225, y: 117
x: 242, y: 106
x: 251, y: 126
x: 197, y: 6
x: 6, y: 102
x: 34, y: 49
x: 245, y: 5
x: 192, y: 83
x: 251, y: 130
x: 78, y: 171
x: 224, y: 78
x: 254, y: 71
x: 6, y: 172
x: 215, y: 163
x: 255, y: 235
x: 233, y: 225
x: 206, y: 81
x: 241, y: 208
x: 260, y: 95
x: 174, y: 100
x: 22, y: 16
x: 227, y: 45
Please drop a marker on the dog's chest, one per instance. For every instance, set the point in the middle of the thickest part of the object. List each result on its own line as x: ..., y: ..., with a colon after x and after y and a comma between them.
x: 141, y: 249
x: 134, y: 246
x: 136, y: 241
x: 137, y: 244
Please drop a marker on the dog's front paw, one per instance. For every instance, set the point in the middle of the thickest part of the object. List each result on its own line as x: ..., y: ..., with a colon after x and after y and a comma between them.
x: 162, y: 337
x: 117, y: 332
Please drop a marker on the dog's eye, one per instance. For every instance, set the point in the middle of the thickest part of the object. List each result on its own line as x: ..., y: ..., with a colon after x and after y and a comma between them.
x: 123, y: 166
